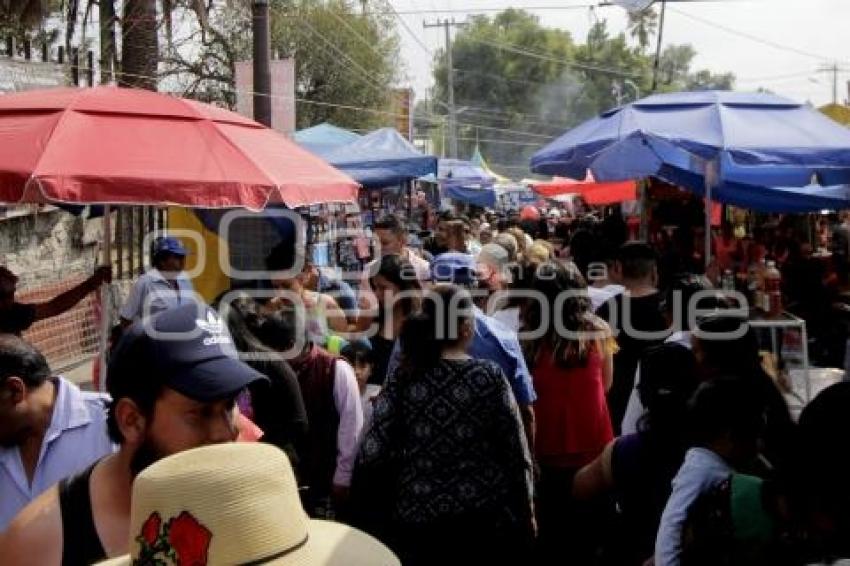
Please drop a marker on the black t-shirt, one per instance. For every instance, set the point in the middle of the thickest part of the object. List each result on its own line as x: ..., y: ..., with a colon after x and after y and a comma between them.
x: 641, y: 315
x: 279, y: 408
x: 382, y: 350
x: 17, y: 318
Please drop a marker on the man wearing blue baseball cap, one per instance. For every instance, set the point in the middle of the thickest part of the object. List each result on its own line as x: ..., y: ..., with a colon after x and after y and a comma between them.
x: 492, y: 340
x: 163, y: 286
x: 173, y: 380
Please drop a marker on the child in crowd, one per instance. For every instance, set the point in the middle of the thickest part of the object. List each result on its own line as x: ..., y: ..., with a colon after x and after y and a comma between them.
x: 359, y: 355
x: 726, y: 418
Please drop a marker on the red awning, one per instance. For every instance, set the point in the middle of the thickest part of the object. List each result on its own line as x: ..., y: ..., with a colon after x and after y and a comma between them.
x: 592, y: 192
x: 126, y: 146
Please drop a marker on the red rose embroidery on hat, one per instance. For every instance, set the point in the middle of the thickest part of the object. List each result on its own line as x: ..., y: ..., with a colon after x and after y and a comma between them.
x: 150, y: 530
x: 182, y: 541
x: 189, y: 539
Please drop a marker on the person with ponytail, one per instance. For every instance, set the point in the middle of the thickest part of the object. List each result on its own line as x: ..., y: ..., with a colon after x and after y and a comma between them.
x: 572, y: 367
x: 446, y: 458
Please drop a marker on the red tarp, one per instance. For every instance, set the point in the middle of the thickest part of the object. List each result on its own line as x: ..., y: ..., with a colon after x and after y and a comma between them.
x: 113, y: 145
x: 592, y: 192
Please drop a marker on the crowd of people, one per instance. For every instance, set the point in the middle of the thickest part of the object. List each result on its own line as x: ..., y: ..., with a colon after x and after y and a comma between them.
x: 512, y: 391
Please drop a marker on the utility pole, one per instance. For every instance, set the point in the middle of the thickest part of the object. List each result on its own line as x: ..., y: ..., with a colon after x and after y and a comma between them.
x: 834, y: 69
x: 262, y: 63
x: 452, y: 118
x: 657, y: 64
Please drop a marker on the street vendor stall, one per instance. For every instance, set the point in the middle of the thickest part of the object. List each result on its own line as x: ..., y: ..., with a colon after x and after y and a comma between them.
x: 752, y: 150
x: 756, y: 151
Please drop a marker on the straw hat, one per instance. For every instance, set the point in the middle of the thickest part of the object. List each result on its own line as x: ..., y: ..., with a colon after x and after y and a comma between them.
x: 235, y: 503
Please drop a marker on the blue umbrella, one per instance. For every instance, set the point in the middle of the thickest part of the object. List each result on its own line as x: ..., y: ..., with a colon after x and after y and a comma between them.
x: 737, y: 146
x: 467, y: 182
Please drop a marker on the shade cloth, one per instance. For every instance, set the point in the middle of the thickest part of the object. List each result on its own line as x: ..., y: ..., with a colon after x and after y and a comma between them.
x: 593, y: 193
x: 379, y: 159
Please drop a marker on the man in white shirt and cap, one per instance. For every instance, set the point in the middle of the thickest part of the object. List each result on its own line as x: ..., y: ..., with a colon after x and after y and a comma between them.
x: 164, y: 286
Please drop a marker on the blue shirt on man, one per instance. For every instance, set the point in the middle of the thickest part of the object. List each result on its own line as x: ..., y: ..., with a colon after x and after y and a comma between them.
x: 152, y: 293
x: 76, y: 438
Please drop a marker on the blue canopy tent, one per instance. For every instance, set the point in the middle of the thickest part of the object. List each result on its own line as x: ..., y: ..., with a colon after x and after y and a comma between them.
x: 324, y: 137
x: 379, y: 159
x: 736, y: 147
x: 463, y: 181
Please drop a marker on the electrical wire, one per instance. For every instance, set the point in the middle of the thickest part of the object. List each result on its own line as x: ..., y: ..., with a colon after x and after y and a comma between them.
x: 749, y: 36
x: 544, y: 57
x: 410, y: 31
x: 495, y: 9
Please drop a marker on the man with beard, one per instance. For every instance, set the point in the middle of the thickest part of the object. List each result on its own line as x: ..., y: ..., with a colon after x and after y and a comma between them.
x: 48, y: 427
x: 173, y: 380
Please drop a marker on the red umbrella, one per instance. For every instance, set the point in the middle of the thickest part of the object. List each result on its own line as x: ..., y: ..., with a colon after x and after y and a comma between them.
x: 127, y: 146
x: 593, y: 192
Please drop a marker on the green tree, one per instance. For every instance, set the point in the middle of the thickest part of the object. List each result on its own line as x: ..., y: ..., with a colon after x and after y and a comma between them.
x: 510, y: 87
x: 140, y: 27
x: 706, y: 80
x: 607, y: 62
x: 202, y: 63
x: 519, y: 84
x: 643, y: 26
x: 675, y: 72
x: 344, y: 58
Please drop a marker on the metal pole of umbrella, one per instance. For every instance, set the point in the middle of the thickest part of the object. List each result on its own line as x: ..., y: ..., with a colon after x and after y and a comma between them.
x: 707, y: 225
x: 712, y: 178
x: 658, y: 47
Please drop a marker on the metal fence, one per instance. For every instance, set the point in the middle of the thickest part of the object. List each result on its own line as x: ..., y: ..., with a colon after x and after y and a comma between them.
x: 71, y: 338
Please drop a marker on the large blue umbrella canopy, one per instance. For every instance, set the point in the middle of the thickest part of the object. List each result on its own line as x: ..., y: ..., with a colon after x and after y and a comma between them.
x: 741, y: 145
x: 382, y: 158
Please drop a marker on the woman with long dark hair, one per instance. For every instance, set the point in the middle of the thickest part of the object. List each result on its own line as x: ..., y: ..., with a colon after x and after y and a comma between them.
x: 397, y: 289
x: 572, y: 366
x: 446, y: 451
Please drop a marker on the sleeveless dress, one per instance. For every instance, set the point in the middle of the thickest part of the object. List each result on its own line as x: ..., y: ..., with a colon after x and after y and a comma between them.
x: 573, y: 423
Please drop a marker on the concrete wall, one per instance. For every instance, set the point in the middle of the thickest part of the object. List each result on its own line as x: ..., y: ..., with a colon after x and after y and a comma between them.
x: 48, y: 245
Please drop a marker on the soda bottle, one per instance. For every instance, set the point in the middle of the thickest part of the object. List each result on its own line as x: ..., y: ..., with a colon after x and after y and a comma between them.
x: 773, y: 289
